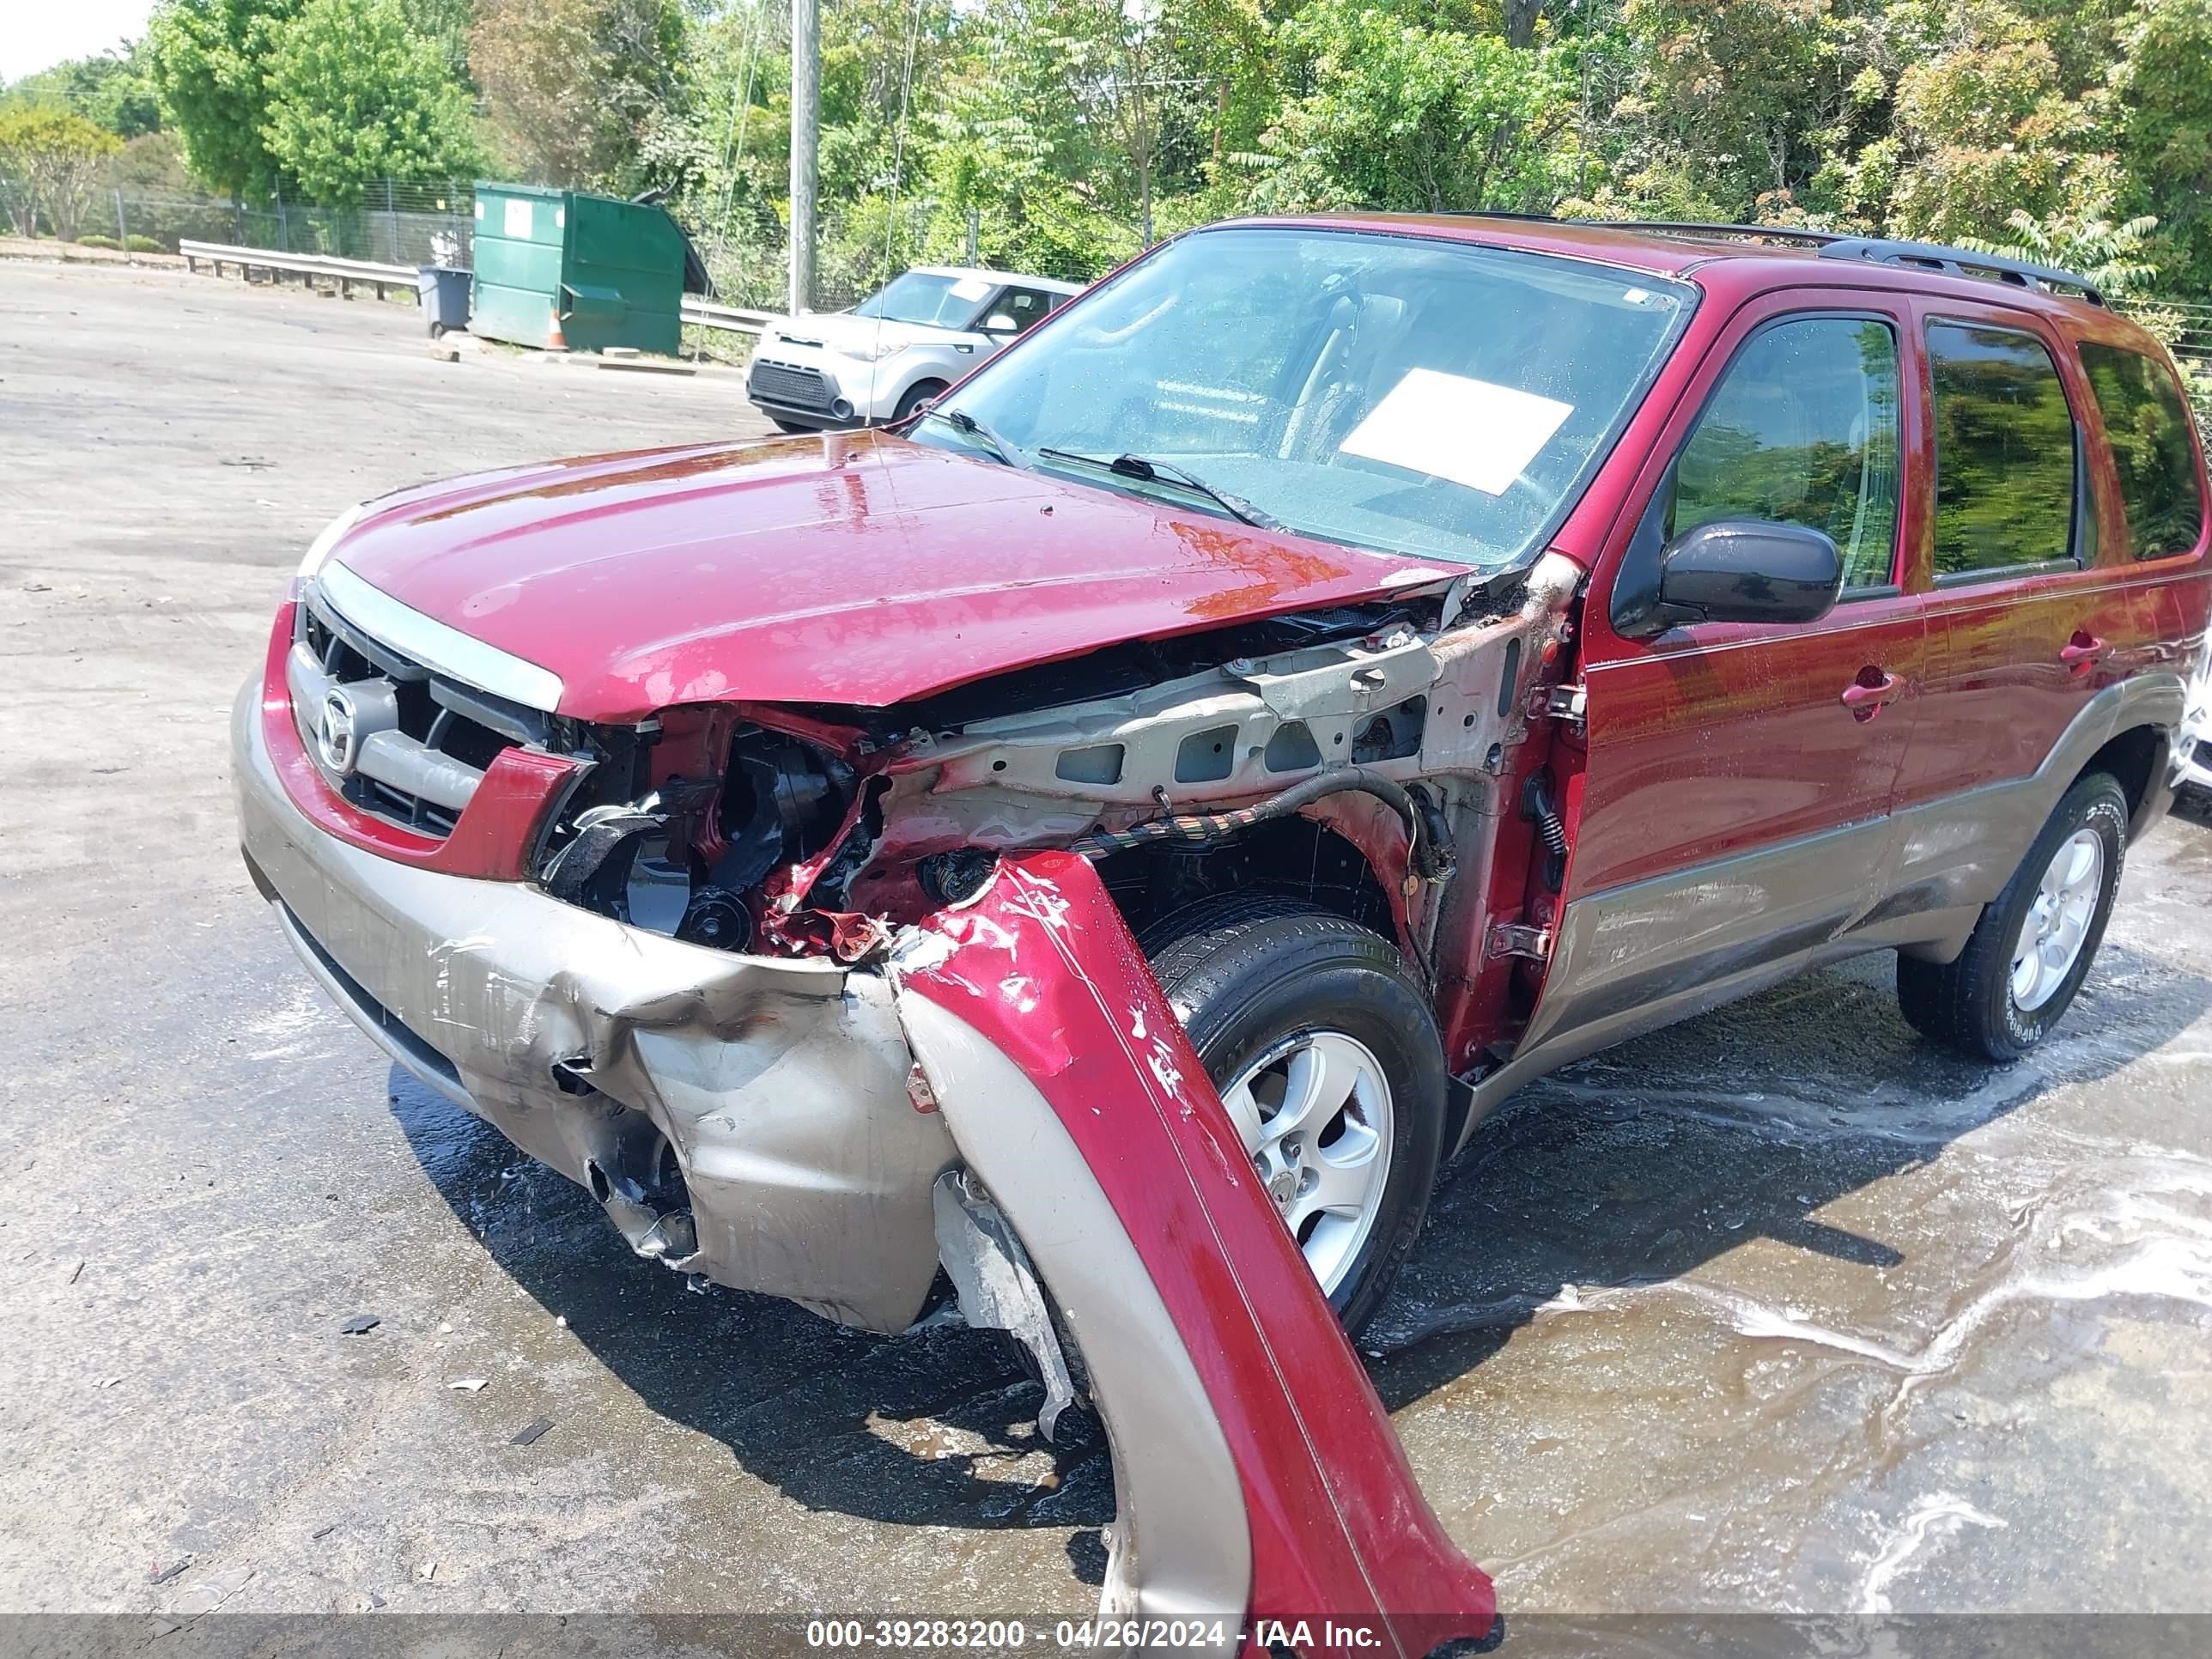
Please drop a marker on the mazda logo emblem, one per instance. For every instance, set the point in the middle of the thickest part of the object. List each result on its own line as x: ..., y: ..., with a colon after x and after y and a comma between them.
x: 340, y: 742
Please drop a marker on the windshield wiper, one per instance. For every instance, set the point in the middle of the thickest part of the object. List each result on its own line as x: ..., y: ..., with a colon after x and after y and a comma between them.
x: 1145, y: 467
x: 966, y: 424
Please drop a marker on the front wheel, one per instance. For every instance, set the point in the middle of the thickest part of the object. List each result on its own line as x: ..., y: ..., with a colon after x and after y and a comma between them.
x: 915, y: 395
x: 1325, y: 1052
x: 2032, y: 949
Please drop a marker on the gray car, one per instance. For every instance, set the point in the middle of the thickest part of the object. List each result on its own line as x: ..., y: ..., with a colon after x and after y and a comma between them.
x: 905, y: 342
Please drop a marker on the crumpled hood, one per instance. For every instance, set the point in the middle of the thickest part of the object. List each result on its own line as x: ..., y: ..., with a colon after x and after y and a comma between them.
x: 853, y: 567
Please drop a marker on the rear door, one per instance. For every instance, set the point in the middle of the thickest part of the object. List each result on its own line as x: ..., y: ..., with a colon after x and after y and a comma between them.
x: 2034, y: 611
x: 1739, y: 777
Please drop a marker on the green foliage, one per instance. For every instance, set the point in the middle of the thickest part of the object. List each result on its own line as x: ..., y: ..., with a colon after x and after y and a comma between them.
x: 2114, y: 257
x: 2163, y: 85
x: 107, y: 242
x: 135, y: 243
x: 1400, y: 115
x: 114, y: 90
x: 211, y: 64
x: 1060, y: 135
x: 356, y: 96
x: 50, y: 159
x: 576, y: 89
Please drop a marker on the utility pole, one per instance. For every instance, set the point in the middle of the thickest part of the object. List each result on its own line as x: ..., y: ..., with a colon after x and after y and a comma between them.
x: 806, y: 144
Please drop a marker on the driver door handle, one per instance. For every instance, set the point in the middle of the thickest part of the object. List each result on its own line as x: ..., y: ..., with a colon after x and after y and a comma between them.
x: 2082, y: 650
x: 1875, y: 687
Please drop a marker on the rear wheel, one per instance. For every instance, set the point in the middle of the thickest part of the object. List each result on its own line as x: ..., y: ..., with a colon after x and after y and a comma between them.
x: 917, y: 394
x: 1325, y: 1052
x: 2033, y: 948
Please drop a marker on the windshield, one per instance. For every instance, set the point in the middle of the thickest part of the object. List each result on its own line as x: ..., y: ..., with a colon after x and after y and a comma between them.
x: 920, y: 296
x: 1412, y: 395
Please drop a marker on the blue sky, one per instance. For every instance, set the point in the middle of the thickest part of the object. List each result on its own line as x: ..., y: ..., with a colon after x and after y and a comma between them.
x: 34, y: 34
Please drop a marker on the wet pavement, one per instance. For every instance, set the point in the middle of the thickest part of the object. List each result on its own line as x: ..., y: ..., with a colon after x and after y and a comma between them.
x: 1780, y: 1311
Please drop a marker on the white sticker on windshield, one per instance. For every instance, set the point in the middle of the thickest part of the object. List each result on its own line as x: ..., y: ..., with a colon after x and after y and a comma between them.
x: 1471, y: 432
x: 967, y: 287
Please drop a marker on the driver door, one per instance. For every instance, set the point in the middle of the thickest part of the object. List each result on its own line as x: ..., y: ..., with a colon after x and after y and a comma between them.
x: 1735, y: 811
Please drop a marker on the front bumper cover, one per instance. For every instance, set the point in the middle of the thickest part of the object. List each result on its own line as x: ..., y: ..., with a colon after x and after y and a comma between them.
x: 780, y: 1086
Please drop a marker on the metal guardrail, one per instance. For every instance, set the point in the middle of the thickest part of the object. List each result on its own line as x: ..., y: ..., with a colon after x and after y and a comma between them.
x: 701, y: 313
x: 705, y: 313
x: 305, y: 266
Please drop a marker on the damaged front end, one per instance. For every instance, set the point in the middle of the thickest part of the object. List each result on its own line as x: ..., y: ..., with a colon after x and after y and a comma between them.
x: 1343, y: 755
x: 817, y: 999
x: 685, y: 1008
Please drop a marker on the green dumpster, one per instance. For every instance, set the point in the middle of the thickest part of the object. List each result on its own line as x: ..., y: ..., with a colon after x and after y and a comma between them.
x: 564, y: 268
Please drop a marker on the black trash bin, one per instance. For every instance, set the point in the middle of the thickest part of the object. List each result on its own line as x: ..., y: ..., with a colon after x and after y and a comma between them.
x: 444, y: 297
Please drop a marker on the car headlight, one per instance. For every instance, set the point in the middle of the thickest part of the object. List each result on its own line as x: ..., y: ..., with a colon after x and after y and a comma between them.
x: 319, y: 548
x: 872, y: 354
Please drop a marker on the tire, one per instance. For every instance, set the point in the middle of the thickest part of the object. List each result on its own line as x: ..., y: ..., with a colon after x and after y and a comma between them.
x: 1977, y: 1004
x: 437, y: 330
x: 913, y: 399
x: 1297, y: 992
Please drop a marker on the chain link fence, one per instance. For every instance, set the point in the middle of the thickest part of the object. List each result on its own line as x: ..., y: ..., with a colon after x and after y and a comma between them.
x: 397, y: 222
x: 414, y: 224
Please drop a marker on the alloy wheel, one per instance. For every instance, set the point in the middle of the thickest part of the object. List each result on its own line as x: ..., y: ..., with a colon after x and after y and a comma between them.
x: 2052, y: 933
x: 1315, y: 1112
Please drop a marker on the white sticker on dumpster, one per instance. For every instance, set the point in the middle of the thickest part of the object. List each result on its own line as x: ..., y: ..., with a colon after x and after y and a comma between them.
x: 1472, y: 432
x: 518, y: 218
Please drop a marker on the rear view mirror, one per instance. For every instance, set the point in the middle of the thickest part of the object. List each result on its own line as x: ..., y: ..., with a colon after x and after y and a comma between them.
x: 1749, y: 570
x: 999, y: 322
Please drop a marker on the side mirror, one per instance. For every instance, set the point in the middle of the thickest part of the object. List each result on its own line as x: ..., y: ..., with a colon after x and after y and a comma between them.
x: 999, y: 322
x: 1749, y: 570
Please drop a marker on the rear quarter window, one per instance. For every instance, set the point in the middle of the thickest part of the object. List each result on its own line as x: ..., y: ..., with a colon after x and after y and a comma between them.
x: 2147, y: 424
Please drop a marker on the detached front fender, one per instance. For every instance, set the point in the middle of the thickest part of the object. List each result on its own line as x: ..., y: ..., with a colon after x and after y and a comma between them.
x: 1258, y: 1480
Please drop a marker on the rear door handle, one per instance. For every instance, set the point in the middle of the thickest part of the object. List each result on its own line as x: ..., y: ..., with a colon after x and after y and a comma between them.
x: 1865, y: 695
x: 2082, y: 650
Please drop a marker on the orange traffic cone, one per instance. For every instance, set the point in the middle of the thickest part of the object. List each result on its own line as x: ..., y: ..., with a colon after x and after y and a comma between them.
x: 555, y: 340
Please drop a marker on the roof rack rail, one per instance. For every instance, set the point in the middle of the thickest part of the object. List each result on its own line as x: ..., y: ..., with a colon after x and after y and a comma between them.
x: 1960, y: 262
x: 1696, y: 227
x: 1692, y: 227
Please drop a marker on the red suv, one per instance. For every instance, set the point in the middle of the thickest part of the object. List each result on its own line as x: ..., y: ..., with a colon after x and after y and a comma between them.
x: 1457, y: 644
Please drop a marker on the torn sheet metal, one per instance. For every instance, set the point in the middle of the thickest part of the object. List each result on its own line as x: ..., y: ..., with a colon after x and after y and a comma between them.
x: 1257, y: 1474
x: 997, y: 1286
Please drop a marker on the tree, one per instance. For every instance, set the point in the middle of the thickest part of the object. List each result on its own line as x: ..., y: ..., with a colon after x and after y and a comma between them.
x: 2163, y: 85
x: 113, y: 89
x: 574, y: 85
x: 1404, y: 117
x: 1722, y: 100
x: 357, y: 95
x: 210, y: 66
x: 53, y: 155
x: 2114, y: 257
x: 1967, y: 117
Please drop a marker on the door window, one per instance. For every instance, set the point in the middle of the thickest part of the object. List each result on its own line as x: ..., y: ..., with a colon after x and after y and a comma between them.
x: 2147, y: 427
x: 1028, y: 306
x: 1802, y: 430
x: 2005, y: 490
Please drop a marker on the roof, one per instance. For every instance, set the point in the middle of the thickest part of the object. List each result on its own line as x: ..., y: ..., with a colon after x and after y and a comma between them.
x: 1755, y: 256
x: 1050, y: 284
